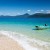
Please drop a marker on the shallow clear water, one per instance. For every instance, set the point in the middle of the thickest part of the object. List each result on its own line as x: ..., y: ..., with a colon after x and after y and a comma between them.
x: 26, y: 25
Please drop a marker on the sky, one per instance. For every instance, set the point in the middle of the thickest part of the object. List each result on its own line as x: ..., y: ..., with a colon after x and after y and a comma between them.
x: 19, y: 7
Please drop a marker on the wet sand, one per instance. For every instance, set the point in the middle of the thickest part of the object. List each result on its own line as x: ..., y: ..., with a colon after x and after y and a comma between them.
x: 9, y: 44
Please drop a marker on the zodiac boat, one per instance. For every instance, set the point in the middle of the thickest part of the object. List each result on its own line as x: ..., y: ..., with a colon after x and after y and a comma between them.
x: 41, y: 27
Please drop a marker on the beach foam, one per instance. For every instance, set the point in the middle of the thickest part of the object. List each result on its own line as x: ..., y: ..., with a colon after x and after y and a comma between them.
x: 25, y: 41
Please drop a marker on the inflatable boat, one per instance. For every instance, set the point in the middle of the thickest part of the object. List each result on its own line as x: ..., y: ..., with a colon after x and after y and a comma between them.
x: 41, y: 27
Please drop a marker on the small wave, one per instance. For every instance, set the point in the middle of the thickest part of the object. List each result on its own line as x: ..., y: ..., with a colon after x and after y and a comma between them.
x: 24, y: 40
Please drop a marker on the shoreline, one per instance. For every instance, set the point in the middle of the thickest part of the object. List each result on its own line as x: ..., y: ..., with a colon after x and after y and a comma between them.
x: 24, y: 44
x: 23, y: 41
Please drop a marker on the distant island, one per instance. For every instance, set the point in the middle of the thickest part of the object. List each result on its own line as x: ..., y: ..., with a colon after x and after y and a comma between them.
x: 40, y: 15
x: 36, y: 15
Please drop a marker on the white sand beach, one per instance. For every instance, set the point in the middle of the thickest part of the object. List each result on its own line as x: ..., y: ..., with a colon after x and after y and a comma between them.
x: 7, y: 41
x: 14, y: 41
x: 9, y: 44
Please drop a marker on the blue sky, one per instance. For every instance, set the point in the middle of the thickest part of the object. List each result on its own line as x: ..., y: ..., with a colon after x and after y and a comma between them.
x: 17, y: 7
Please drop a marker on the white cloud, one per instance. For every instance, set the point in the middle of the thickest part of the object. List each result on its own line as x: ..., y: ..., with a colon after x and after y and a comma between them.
x: 48, y: 11
x: 42, y: 10
x: 28, y: 10
x: 39, y: 11
x: 18, y: 13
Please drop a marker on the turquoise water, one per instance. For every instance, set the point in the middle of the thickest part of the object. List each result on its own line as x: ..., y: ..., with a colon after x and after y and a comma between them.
x: 25, y: 26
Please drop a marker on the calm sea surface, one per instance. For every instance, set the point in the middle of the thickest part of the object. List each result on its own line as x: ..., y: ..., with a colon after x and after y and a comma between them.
x: 26, y: 26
